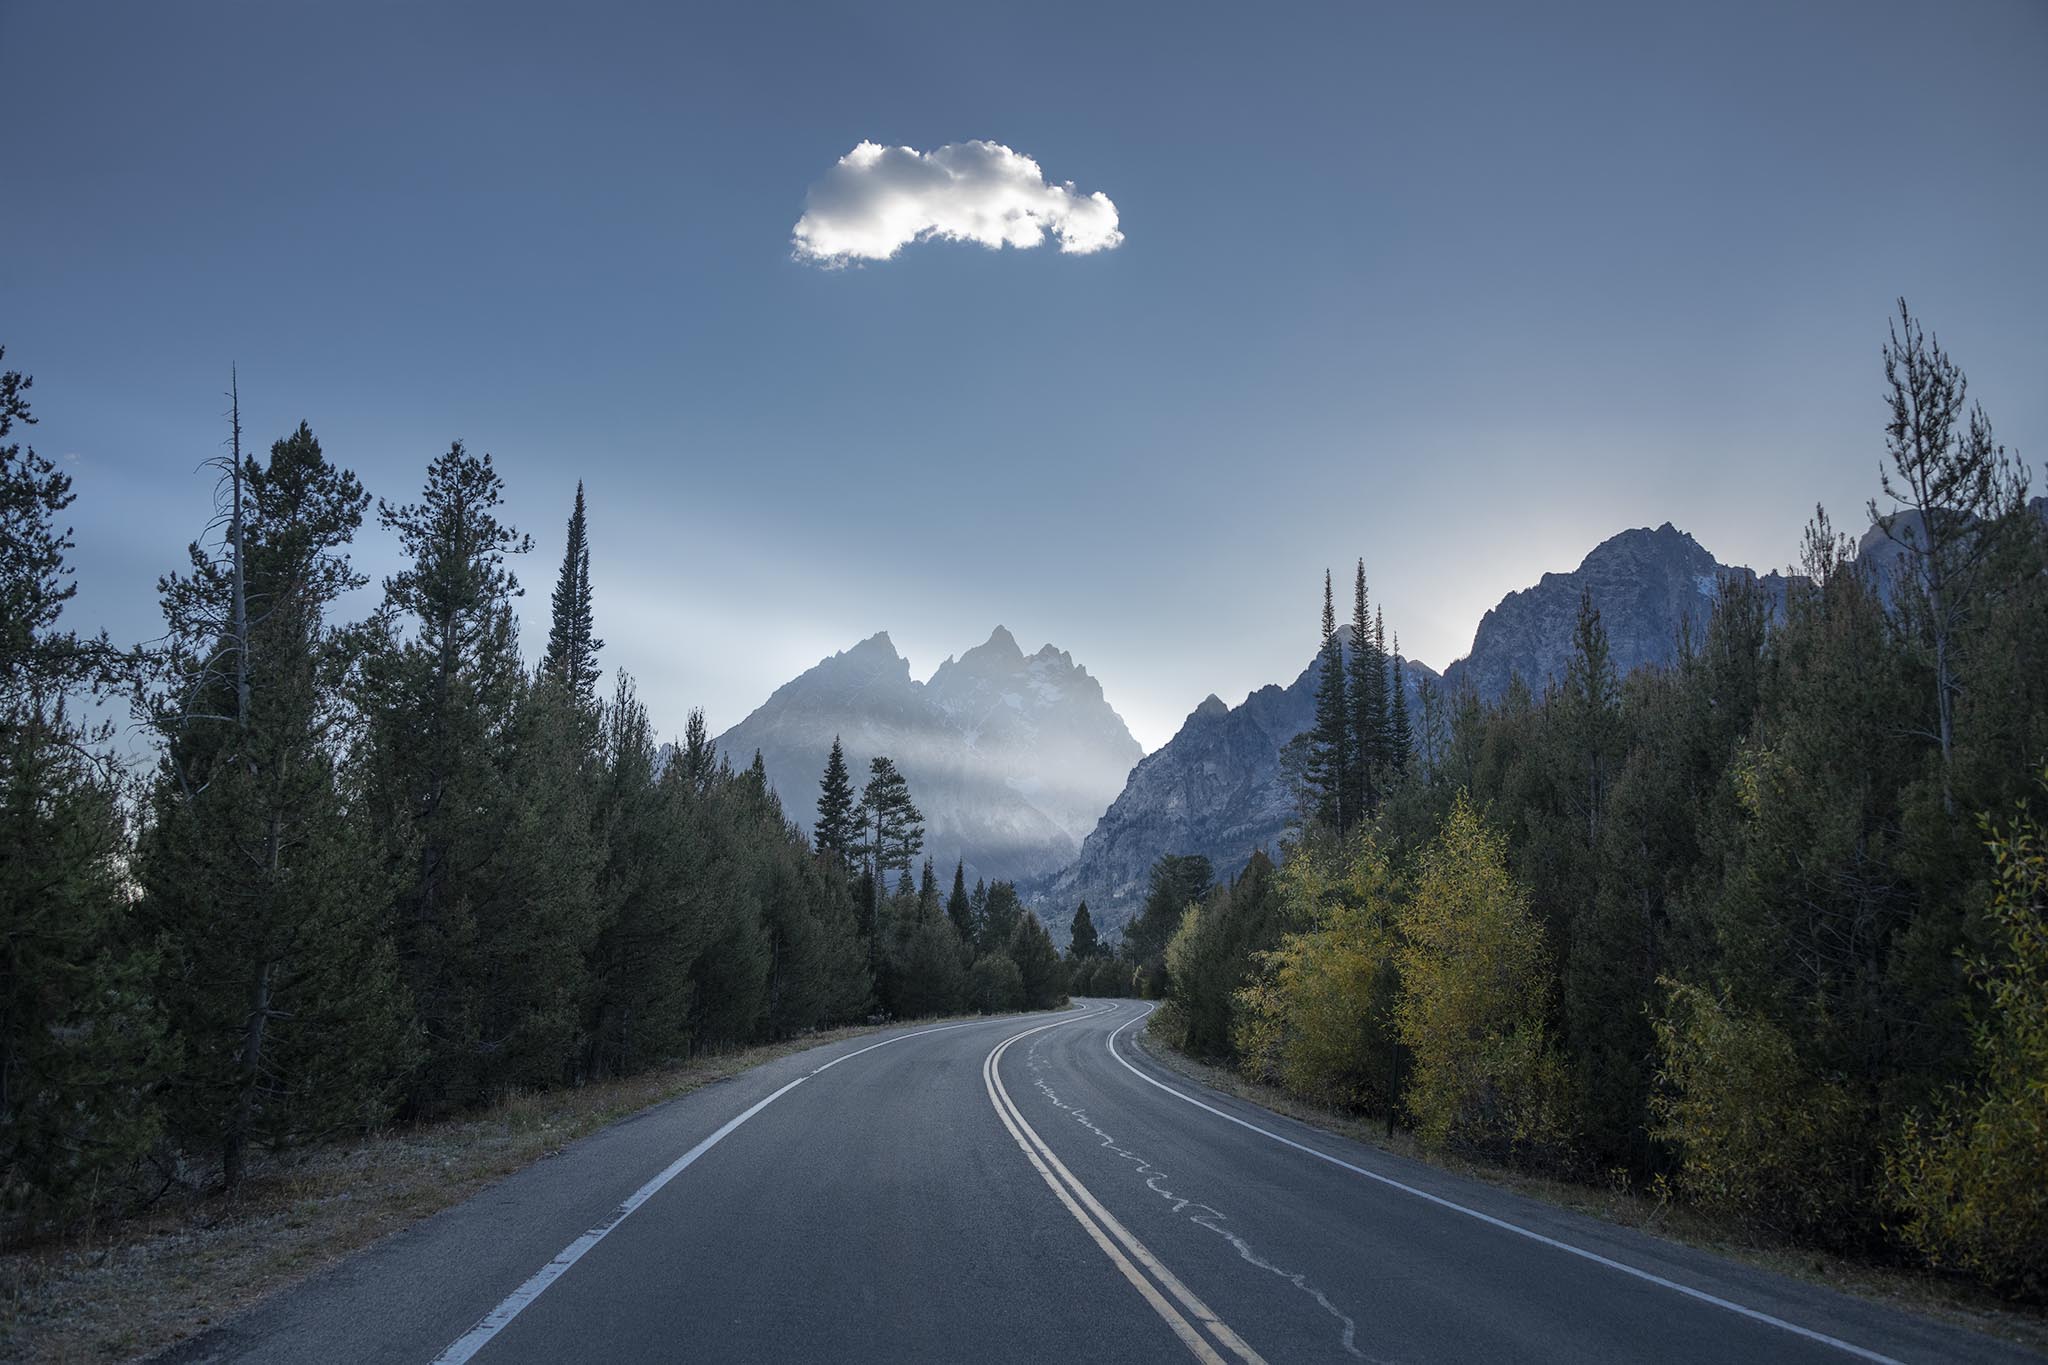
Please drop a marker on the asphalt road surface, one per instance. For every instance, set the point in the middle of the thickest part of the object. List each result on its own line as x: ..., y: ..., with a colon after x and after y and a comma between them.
x: 1026, y: 1189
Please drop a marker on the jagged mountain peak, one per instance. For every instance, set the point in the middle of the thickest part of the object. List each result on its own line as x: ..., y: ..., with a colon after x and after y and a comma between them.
x: 998, y: 654
x: 1212, y: 705
x: 1011, y: 757
x: 1048, y: 652
x: 1648, y: 586
x: 876, y: 649
x: 1665, y: 542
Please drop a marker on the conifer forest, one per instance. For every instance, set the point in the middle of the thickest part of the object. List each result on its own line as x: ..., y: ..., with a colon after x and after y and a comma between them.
x: 1761, y: 932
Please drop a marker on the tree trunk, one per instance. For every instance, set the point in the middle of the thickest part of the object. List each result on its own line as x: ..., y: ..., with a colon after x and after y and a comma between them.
x: 235, y: 1145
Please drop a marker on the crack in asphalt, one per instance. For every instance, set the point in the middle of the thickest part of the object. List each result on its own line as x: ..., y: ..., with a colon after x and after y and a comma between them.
x: 1200, y: 1213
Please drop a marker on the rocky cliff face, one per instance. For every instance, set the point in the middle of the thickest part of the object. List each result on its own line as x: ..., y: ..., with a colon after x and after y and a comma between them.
x: 1011, y: 757
x: 1647, y: 585
x: 1216, y: 788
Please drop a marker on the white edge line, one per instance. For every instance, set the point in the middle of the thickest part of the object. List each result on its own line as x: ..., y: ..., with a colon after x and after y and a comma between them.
x: 495, y: 1321
x: 1502, y: 1223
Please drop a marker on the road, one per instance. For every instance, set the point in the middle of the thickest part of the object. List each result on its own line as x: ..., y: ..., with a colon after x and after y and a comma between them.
x: 1027, y: 1189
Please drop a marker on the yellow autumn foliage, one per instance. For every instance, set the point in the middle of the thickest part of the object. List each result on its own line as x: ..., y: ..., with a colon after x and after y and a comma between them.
x: 1757, y: 1134
x: 1474, y: 973
x: 1317, y: 1018
x: 1973, y: 1179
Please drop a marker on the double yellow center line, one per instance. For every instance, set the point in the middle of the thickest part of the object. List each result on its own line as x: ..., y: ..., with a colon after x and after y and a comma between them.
x: 1192, y: 1318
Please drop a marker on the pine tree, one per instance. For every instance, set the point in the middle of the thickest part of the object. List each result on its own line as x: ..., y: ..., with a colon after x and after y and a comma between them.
x: 79, y: 1032
x: 1082, y: 940
x: 891, y: 826
x: 441, y: 685
x: 834, y: 831
x: 278, y: 977
x: 1591, y: 695
x: 573, y: 646
x: 698, y: 760
x: 638, y: 1009
x: 1038, y: 962
x: 36, y: 659
x: 891, y: 836
x: 959, y: 908
x: 1176, y: 882
x: 1367, y: 701
x: 1000, y: 913
x: 1400, y: 736
x: 928, y: 892
x: 1953, y: 492
x: 1330, y: 754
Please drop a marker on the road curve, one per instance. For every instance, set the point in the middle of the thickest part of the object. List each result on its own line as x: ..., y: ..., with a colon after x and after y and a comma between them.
x: 1027, y: 1189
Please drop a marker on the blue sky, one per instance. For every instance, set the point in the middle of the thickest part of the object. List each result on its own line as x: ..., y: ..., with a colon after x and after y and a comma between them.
x: 1461, y: 289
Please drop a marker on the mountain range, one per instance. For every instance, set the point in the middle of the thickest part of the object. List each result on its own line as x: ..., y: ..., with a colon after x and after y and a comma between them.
x: 1216, y: 788
x: 1025, y: 771
x: 1011, y: 757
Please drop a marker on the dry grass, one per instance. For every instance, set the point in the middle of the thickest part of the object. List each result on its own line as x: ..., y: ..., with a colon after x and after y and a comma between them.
x: 135, y: 1286
x: 1916, y: 1291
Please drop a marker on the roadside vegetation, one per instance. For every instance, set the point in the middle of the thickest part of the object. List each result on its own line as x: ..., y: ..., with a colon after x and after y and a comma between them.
x: 124, y: 1287
x: 1760, y: 934
x: 379, y: 871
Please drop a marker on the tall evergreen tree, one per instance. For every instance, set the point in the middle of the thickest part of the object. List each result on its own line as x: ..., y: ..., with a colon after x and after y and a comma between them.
x: 646, y: 945
x: 1591, y: 699
x: 1082, y: 940
x: 480, y: 827
x: 1001, y: 911
x: 1367, y: 695
x: 698, y: 761
x: 573, y: 645
x: 1177, y: 881
x: 1330, y: 752
x: 959, y: 908
x: 835, y: 829
x: 36, y: 658
x: 278, y: 976
x: 79, y: 1032
x: 891, y: 826
x: 1953, y: 489
x: 1038, y: 962
x: 1400, y: 735
x: 891, y: 835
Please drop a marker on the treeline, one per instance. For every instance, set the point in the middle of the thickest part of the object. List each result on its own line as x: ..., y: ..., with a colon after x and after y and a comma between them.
x: 382, y: 870
x: 978, y: 950
x: 1766, y: 930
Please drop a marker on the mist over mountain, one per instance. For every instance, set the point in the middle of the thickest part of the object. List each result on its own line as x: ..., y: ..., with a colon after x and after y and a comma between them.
x: 1011, y: 757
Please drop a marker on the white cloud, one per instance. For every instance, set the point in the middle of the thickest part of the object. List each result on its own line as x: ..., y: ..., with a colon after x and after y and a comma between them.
x: 878, y: 200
